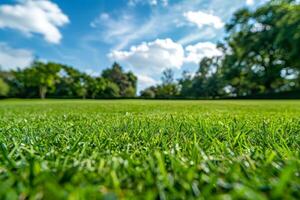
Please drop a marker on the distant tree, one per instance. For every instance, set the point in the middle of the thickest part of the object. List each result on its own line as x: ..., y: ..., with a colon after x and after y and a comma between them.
x: 42, y: 76
x: 66, y: 87
x: 96, y: 87
x: 208, y: 81
x: 111, y: 90
x: 4, y: 88
x: 8, y: 78
x: 129, y: 92
x: 186, y: 85
x: 127, y: 82
x: 167, y: 77
x: 148, y: 93
x: 168, y: 89
x: 62, y: 81
x: 132, y: 78
x: 81, y: 86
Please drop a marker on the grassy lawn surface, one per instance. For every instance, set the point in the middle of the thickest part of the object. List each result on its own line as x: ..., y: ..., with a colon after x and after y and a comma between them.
x: 135, y: 149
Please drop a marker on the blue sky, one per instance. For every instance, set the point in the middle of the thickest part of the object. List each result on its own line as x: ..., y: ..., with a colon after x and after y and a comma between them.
x: 144, y: 36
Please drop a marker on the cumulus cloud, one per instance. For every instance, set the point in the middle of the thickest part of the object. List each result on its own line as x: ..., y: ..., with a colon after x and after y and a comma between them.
x: 34, y: 16
x: 194, y: 53
x: 249, y: 2
x: 202, y: 19
x: 160, y: 54
x: 151, y: 57
x: 11, y: 58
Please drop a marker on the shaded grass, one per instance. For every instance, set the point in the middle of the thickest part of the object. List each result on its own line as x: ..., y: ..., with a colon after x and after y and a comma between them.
x: 58, y: 149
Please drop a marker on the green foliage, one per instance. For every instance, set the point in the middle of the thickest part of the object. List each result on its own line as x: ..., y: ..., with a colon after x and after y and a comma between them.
x: 61, y: 81
x: 208, y: 80
x: 167, y: 77
x: 148, y: 93
x: 129, y: 92
x: 261, y: 55
x: 4, y: 88
x: 186, y: 85
x: 42, y: 76
x: 262, y: 45
x: 127, y: 82
x: 37, y: 80
x: 149, y: 149
x: 111, y: 90
x: 168, y: 89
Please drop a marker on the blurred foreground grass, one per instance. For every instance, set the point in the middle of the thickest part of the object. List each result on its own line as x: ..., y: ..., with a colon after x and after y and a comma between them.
x: 68, y: 149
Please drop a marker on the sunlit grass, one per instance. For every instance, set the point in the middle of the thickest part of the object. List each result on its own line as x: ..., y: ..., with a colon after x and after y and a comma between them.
x: 149, y: 149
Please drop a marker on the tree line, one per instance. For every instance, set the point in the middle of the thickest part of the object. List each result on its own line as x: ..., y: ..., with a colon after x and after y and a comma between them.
x: 61, y: 81
x: 261, y: 55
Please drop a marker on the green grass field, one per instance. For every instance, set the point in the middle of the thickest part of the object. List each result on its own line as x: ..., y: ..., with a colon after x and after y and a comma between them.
x: 56, y: 149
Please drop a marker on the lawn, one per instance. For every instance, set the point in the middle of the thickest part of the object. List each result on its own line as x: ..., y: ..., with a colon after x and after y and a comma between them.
x: 134, y: 149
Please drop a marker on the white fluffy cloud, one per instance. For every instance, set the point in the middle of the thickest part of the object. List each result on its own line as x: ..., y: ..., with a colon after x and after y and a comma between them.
x: 11, y: 58
x: 152, y: 57
x: 194, y: 53
x: 203, y: 19
x: 249, y: 2
x: 34, y: 16
x: 149, y: 59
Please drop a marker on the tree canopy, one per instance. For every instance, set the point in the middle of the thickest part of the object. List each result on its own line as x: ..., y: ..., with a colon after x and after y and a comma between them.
x: 261, y: 55
x: 61, y: 81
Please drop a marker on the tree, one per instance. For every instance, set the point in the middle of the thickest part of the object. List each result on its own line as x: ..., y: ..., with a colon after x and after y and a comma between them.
x: 208, y: 81
x: 81, y: 87
x: 167, y: 77
x: 68, y: 82
x: 186, y: 85
x: 62, y: 81
x: 96, y: 87
x: 125, y: 81
x: 148, y: 93
x: 111, y: 90
x: 261, y: 45
x: 4, y: 88
x: 129, y: 92
x: 42, y: 76
x: 168, y: 89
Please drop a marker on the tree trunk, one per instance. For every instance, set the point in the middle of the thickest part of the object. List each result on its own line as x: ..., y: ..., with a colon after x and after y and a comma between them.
x: 43, y: 91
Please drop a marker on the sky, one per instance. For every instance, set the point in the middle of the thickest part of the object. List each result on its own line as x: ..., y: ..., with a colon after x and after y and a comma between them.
x: 144, y: 36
